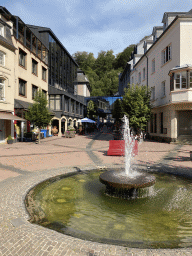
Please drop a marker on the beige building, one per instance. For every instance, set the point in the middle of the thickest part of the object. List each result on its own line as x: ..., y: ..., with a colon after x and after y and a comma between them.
x: 7, y: 80
x: 23, y: 71
x: 31, y: 73
x: 166, y: 68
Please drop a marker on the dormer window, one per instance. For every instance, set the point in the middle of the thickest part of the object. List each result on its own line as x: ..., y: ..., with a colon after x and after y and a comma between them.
x: 1, y: 30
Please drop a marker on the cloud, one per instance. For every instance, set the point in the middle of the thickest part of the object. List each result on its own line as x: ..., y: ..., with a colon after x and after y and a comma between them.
x: 114, y: 39
x: 92, y: 26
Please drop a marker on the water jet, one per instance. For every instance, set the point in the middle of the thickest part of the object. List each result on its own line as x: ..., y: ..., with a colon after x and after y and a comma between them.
x: 126, y: 182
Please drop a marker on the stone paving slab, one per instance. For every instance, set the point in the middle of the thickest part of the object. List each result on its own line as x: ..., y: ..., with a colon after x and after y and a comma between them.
x: 47, y: 161
x: 4, y: 174
x: 18, y: 237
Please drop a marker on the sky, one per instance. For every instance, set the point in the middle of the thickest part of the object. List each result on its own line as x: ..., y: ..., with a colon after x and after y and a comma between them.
x: 96, y: 25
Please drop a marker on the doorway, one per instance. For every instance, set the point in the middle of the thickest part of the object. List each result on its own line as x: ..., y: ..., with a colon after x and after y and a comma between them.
x: 185, y: 122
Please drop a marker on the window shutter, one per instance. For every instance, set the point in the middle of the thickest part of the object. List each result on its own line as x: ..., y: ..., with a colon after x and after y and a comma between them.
x: 172, y: 83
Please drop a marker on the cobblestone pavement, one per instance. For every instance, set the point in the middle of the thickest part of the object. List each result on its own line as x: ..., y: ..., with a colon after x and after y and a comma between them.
x: 23, y: 165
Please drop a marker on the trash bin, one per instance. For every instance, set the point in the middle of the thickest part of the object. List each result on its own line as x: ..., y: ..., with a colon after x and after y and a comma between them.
x: 45, y: 132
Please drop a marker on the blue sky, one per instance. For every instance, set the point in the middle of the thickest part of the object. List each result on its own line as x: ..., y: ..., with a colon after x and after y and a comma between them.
x: 96, y: 25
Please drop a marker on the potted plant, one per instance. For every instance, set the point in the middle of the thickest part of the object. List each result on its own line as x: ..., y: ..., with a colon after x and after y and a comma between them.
x: 70, y: 133
x: 9, y: 140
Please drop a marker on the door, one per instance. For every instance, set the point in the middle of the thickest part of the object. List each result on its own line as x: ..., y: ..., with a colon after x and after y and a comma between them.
x: 185, y: 122
x: 2, y: 130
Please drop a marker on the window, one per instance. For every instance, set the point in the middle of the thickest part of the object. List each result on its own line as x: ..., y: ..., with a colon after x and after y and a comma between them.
x: 155, y: 123
x: 34, y: 67
x: 144, y: 74
x: 153, y: 93
x: 44, y: 93
x: 72, y: 107
x: 2, y: 59
x: 161, y: 122
x: 51, y: 102
x: 166, y: 54
x: 180, y: 80
x: 66, y: 104
x: 22, y: 87
x: 22, y: 58
x: 153, y: 66
x: 1, y: 30
x: 44, y: 74
x: 190, y: 79
x: 34, y: 91
x: 2, y: 89
x: 151, y: 126
x: 139, y: 77
x: 163, y: 88
x: 75, y: 89
x: 55, y: 102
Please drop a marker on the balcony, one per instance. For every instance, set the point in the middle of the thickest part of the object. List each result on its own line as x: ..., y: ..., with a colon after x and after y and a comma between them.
x: 181, y: 95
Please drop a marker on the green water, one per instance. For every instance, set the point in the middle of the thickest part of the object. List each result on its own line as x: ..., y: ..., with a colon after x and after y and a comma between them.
x: 78, y: 206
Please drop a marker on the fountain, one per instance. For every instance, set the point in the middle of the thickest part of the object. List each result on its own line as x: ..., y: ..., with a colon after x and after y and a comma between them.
x: 126, y: 182
x: 159, y: 216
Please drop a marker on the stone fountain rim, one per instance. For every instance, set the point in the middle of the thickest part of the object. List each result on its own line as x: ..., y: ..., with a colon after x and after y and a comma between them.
x: 109, y: 178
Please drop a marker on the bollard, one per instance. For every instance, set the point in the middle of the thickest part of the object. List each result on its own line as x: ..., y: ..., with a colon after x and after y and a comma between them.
x: 191, y: 155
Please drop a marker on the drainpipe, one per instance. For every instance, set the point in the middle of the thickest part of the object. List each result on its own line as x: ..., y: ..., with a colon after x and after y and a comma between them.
x: 147, y: 83
x: 147, y: 71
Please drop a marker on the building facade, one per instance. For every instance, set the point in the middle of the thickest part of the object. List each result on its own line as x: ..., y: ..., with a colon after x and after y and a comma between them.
x: 7, y: 77
x: 67, y: 106
x: 32, y: 58
x: 166, y: 68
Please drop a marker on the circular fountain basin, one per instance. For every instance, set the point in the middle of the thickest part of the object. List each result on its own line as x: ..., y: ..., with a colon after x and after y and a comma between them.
x: 119, y: 180
x: 76, y: 205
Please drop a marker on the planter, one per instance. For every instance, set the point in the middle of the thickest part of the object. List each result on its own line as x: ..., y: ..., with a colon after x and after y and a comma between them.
x: 69, y: 134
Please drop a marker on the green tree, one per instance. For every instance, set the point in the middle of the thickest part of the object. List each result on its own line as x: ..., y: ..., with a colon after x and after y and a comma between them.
x: 117, y: 112
x: 136, y: 104
x: 110, y: 82
x: 122, y: 58
x: 38, y: 113
x: 85, y: 60
x: 104, y: 62
x: 91, y: 109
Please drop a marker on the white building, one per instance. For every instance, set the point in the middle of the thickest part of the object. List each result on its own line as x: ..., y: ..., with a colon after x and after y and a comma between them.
x: 166, y: 68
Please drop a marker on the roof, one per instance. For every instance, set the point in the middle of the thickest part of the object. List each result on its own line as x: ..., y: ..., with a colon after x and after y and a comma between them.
x: 164, y: 32
x: 81, y: 78
x: 171, y: 14
x: 180, y: 68
x: 48, y: 30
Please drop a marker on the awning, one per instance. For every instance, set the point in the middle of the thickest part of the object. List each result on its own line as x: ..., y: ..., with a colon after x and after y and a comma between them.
x: 21, y: 104
x: 9, y: 116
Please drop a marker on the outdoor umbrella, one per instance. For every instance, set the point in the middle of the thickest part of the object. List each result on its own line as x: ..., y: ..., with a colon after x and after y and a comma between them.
x: 86, y: 120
